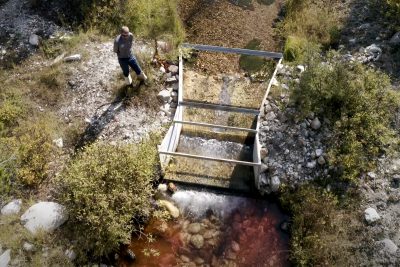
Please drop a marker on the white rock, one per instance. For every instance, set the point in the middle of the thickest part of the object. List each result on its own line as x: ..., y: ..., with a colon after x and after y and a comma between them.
x: 70, y: 254
x: 44, y: 215
x: 372, y: 175
x: 300, y: 68
x: 275, y: 82
x: 311, y: 164
x: 28, y: 247
x: 374, y: 50
x: 162, y: 187
x: 171, y: 79
x: 12, y: 208
x: 76, y: 57
x: 34, y: 39
x: 318, y: 152
x: 275, y: 183
x: 371, y: 215
x: 162, y: 69
x: 164, y: 95
x: 174, y: 211
x: 5, y: 258
x: 174, y: 69
x: 59, y: 142
x: 315, y: 124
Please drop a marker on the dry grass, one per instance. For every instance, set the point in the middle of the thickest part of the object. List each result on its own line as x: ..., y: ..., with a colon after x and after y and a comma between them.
x: 225, y: 24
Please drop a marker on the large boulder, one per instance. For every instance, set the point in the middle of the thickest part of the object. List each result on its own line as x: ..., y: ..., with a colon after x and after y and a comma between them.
x: 47, y: 216
x: 5, y: 258
x: 12, y: 208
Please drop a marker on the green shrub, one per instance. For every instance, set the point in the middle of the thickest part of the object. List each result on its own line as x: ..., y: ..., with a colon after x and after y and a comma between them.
x: 315, y: 21
x: 106, y: 189
x: 360, y: 105
x: 295, y: 48
x: 34, y: 150
x: 321, y: 233
x: 11, y: 107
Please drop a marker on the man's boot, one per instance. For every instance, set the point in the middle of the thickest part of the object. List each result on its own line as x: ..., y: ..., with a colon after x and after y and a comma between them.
x: 142, y: 76
x: 128, y: 80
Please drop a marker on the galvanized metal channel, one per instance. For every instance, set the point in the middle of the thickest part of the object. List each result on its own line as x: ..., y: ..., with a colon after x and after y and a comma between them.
x: 167, y: 149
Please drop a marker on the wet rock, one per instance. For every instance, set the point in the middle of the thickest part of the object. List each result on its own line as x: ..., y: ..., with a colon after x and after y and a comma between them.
x: 76, y: 57
x: 208, y: 234
x: 34, y: 39
x: 235, y: 247
x: 47, y: 216
x: 388, y: 246
x: 5, y: 258
x: 197, y: 241
x: 28, y: 247
x: 199, y: 261
x: 371, y: 215
x: 130, y: 255
x: 315, y: 124
x: 194, y: 228
x: 172, y: 187
x: 164, y: 95
x: 12, y: 208
x: 184, y: 258
x: 395, y: 40
x: 174, y: 211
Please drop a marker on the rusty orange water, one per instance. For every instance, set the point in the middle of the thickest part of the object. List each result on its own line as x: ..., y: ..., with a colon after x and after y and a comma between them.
x: 250, y: 236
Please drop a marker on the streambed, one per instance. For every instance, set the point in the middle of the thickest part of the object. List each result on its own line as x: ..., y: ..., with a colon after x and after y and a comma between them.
x: 216, y: 230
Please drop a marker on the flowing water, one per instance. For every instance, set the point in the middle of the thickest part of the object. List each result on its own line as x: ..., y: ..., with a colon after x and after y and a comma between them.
x: 227, y: 230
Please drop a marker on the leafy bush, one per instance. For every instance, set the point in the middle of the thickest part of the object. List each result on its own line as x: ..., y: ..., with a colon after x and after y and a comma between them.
x: 11, y: 107
x: 106, y: 189
x: 321, y: 232
x: 34, y: 150
x: 295, y: 48
x: 308, y: 21
x: 360, y: 105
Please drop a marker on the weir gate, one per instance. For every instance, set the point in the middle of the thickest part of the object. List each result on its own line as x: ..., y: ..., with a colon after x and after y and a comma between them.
x: 214, y: 136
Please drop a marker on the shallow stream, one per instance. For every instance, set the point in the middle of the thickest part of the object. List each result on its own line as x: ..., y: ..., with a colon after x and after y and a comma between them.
x: 216, y: 230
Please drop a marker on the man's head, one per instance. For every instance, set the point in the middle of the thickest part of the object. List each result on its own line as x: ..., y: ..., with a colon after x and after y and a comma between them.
x: 124, y: 31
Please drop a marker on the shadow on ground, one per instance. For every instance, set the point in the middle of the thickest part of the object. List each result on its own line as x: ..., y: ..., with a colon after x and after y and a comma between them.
x: 98, y: 123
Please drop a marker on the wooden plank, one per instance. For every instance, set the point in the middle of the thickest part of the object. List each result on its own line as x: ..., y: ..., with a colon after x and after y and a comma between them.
x: 216, y: 126
x: 246, y: 163
x: 219, y: 107
x: 241, y: 51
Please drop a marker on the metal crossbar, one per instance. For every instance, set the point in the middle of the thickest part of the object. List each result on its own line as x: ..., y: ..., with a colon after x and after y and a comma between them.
x: 219, y: 107
x: 185, y: 155
x: 217, y: 126
x: 234, y: 50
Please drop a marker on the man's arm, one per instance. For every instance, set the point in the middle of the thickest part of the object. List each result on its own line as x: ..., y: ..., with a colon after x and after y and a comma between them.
x: 116, y: 45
